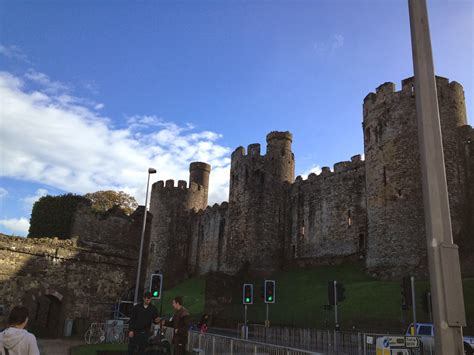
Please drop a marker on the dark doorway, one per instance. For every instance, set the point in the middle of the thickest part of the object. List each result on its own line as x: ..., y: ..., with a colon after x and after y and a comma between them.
x: 46, y: 317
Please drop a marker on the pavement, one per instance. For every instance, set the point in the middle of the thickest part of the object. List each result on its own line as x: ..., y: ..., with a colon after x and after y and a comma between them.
x: 58, y: 346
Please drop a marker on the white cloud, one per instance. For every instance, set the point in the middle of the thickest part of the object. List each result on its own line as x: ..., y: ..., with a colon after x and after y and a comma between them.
x: 326, y: 48
x: 16, y: 225
x: 53, y: 138
x: 3, y: 192
x: 13, y: 52
x: 31, y: 199
x: 313, y: 170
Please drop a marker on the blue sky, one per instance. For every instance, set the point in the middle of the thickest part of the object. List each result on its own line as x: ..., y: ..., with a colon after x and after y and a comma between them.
x: 95, y: 92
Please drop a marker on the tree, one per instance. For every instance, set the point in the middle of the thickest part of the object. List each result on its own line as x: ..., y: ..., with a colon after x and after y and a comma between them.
x: 53, y: 216
x: 105, y: 200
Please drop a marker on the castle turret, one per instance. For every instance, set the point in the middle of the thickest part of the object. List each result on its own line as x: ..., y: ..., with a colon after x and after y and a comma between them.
x: 396, y: 225
x: 199, y: 174
x: 171, y: 207
x: 258, y: 187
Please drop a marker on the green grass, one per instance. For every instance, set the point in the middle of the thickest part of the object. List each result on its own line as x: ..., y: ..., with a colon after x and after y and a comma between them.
x: 300, y: 295
x: 92, y: 349
x: 192, y: 291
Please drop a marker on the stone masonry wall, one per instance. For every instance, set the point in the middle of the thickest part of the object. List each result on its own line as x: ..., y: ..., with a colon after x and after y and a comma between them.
x: 208, y: 240
x: 82, y: 282
x: 396, y: 227
x: 328, y: 213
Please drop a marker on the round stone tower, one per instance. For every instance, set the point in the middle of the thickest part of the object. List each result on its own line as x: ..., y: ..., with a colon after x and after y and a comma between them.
x: 395, y: 214
x: 257, y: 197
x: 171, y: 208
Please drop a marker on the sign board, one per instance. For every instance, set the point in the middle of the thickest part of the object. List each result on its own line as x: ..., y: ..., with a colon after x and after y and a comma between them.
x: 396, y: 341
x: 412, y: 342
x: 370, y: 340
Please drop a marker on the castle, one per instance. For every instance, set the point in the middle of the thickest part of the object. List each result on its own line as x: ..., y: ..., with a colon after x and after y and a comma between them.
x: 368, y: 209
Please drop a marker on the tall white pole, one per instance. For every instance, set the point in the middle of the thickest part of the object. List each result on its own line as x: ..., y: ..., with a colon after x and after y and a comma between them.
x: 137, y: 282
x: 443, y: 257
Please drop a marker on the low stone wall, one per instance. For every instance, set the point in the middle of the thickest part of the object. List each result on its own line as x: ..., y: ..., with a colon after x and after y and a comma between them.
x: 59, y: 280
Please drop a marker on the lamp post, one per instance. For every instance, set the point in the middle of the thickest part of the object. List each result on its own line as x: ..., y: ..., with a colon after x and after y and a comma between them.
x: 135, y: 298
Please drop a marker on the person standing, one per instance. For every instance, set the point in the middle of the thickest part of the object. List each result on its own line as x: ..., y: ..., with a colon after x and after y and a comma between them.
x: 180, y: 323
x: 139, y: 328
x: 16, y: 340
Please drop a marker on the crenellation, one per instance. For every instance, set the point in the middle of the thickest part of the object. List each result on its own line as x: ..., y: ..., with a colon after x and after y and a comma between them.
x: 182, y: 184
x: 169, y: 183
x: 354, y: 210
x: 253, y: 149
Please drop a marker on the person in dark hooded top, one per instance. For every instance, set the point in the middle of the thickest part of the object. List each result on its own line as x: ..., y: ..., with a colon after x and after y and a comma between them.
x: 16, y: 340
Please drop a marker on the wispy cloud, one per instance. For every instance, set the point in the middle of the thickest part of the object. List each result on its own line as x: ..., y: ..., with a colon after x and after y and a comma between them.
x: 55, y: 139
x: 16, y: 225
x: 3, y: 192
x: 329, y: 47
x: 13, y: 52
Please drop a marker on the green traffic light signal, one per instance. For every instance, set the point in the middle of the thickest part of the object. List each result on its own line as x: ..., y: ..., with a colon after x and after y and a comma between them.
x: 155, y: 294
x: 270, y: 298
x: 247, y: 299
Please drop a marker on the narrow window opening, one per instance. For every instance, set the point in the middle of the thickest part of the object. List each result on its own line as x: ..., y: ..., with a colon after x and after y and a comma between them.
x: 349, y: 218
x: 361, y: 241
x: 282, y: 151
x: 384, y: 176
x: 399, y: 193
x: 262, y: 178
x: 293, y: 251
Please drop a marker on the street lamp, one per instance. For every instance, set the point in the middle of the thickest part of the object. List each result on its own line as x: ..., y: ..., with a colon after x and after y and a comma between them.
x: 135, y: 298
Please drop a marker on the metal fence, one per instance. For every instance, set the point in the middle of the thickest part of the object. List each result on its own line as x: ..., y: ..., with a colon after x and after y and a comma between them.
x: 211, y: 344
x: 328, y: 341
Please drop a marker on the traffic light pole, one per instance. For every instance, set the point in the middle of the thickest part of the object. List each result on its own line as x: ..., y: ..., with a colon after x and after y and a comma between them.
x: 245, y: 335
x: 267, y: 320
x: 335, y: 306
x: 443, y: 256
x: 413, y: 302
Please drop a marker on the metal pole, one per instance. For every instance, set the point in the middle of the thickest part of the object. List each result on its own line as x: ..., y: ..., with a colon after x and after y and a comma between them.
x: 429, y: 306
x: 335, y: 304
x: 413, y: 301
x: 245, y: 323
x: 443, y: 258
x: 267, y: 320
x: 335, y: 315
x: 135, y: 299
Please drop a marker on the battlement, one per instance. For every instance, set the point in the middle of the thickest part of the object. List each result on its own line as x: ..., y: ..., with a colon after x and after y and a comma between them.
x: 181, y: 185
x: 387, y: 91
x: 200, y: 166
x: 354, y: 164
x: 279, y: 136
x: 215, y: 208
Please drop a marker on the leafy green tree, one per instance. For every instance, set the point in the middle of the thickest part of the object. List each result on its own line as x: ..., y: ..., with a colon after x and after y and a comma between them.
x: 53, y: 216
x: 105, y: 200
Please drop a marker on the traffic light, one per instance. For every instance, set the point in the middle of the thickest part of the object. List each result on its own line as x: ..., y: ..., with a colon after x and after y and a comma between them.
x: 269, y: 291
x: 340, y: 290
x: 331, y: 295
x: 156, y: 285
x: 406, y: 291
x: 248, y: 294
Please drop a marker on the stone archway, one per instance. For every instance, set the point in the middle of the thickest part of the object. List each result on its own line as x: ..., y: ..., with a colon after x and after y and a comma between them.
x: 45, y: 317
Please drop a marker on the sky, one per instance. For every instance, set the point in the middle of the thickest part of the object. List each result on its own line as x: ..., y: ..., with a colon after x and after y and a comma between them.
x: 93, y: 93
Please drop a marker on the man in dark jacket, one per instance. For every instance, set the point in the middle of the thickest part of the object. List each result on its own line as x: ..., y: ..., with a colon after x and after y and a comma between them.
x: 143, y: 315
x: 180, y: 323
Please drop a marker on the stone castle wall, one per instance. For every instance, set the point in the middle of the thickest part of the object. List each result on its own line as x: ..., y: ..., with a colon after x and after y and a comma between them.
x: 396, y: 224
x: 59, y: 280
x: 329, y: 213
x: 371, y: 209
